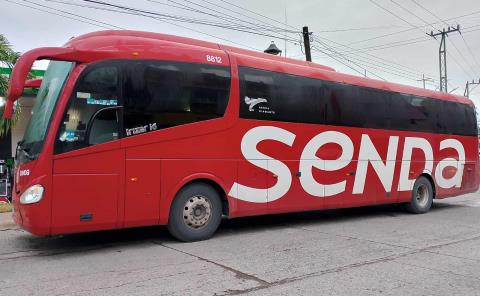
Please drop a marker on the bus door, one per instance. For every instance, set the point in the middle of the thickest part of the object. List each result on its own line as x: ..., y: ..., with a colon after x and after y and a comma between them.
x: 89, y: 164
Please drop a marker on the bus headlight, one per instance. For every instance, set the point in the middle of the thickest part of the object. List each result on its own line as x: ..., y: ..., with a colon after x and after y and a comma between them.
x: 32, y: 195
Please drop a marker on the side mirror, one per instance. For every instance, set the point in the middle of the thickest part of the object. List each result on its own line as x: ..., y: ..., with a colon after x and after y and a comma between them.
x: 33, y: 83
x: 103, y: 127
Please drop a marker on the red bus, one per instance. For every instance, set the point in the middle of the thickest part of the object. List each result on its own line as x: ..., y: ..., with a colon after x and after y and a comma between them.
x: 132, y: 129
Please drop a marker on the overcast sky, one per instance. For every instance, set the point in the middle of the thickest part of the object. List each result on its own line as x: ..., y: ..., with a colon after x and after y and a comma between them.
x: 350, y: 32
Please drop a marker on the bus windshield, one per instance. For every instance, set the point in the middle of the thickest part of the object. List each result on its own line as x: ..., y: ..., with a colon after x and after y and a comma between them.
x: 52, y: 84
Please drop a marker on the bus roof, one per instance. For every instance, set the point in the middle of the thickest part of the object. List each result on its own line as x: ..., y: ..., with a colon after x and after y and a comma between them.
x: 119, y: 39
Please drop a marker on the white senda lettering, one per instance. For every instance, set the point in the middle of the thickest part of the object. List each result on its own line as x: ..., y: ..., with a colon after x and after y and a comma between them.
x: 369, y: 154
x: 249, y: 150
x: 405, y: 183
x: 309, y: 160
x: 456, y: 180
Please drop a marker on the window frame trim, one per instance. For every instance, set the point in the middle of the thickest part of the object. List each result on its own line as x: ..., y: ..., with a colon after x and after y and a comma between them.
x: 89, y: 68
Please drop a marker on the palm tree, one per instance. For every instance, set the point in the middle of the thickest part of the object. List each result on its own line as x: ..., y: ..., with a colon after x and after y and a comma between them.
x: 8, y: 57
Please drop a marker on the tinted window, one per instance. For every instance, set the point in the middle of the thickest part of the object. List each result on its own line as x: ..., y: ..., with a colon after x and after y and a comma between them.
x: 355, y: 106
x: 96, y: 89
x: 274, y: 96
x: 470, y: 120
x: 163, y: 94
x: 458, y: 119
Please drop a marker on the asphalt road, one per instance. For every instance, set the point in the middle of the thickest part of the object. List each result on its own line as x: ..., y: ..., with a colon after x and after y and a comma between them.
x: 366, y: 251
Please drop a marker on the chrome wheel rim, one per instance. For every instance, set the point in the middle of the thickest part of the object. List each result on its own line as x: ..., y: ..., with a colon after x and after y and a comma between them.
x: 197, y: 211
x: 422, y: 196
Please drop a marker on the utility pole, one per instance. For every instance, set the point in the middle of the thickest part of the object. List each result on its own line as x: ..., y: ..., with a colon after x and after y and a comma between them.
x: 424, y: 80
x: 306, y: 41
x: 443, y: 54
x: 467, y: 87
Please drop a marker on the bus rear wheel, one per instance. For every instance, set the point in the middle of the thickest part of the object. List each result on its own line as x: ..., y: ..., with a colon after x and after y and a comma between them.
x: 422, y: 197
x: 196, y: 213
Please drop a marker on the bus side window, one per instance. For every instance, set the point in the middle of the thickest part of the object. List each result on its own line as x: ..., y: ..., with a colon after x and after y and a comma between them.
x: 470, y: 121
x: 458, y: 119
x: 164, y: 94
x: 96, y: 89
x: 355, y: 106
x: 267, y: 95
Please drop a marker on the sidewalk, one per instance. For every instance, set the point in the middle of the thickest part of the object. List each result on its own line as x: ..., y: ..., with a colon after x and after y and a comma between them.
x: 6, y: 221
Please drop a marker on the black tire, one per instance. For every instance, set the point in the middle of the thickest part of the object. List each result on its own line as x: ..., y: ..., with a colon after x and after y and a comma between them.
x: 422, y: 197
x: 192, y: 199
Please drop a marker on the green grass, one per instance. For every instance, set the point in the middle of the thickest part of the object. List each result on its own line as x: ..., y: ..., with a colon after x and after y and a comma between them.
x: 5, y: 207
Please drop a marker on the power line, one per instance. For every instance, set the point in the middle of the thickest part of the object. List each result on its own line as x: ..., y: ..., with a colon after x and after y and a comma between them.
x: 340, y: 61
x: 391, y: 70
x: 380, y: 67
x: 291, y: 26
x: 443, y: 52
x: 253, y: 12
x: 454, y: 46
x: 362, y: 63
x: 230, y: 19
x: 471, y: 52
x: 391, y: 64
x: 430, y: 12
x: 356, y: 29
x: 462, y: 56
x: 242, y: 20
x: 146, y: 13
x: 354, y: 50
x: 54, y: 12
x: 160, y: 16
x: 413, y: 28
x: 391, y: 44
x: 222, y: 15
x: 158, y: 19
x: 392, y: 13
x: 117, y: 10
x: 408, y: 11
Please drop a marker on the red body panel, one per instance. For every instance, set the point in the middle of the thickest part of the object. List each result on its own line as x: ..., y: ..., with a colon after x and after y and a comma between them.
x: 87, y: 182
x: 132, y: 182
x: 142, y: 194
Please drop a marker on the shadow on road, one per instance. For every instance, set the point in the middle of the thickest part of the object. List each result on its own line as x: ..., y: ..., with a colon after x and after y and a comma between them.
x: 91, y: 242
x: 323, y: 217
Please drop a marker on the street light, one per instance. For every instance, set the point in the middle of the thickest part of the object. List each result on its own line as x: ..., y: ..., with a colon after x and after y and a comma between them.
x: 273, y: 49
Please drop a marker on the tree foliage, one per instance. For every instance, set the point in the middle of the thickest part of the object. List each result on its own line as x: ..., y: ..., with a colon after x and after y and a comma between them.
x: 8, y: 57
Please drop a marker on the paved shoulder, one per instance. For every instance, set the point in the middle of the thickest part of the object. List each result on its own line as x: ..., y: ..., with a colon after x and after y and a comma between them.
x: 6, y: 221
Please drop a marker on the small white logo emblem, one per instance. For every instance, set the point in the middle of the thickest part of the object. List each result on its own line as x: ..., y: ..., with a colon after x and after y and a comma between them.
x: 253, y: 102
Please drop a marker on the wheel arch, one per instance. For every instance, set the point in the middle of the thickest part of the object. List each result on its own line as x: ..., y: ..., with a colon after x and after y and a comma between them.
x: 207, y: 178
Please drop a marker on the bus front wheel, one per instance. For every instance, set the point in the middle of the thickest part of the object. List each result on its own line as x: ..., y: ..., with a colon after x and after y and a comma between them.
x: 196, y: 213
x: 422, y: 197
